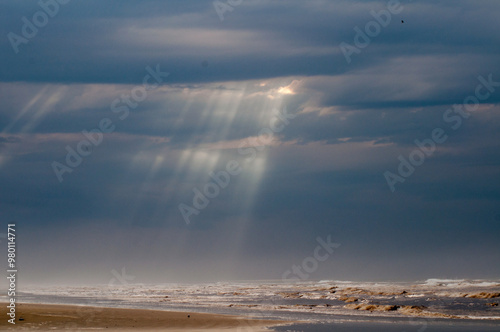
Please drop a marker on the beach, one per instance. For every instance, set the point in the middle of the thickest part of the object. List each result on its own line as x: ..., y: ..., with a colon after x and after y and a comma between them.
x: 51, y: 317
x: 434, y: 305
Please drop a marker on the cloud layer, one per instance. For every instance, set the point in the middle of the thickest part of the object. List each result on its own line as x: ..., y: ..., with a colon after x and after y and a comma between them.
x: 322, y: 173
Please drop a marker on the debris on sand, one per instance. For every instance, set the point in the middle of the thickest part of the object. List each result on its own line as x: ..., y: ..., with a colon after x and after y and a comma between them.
x: 347, y: 299
x: 295, y: 295
x: 482, y: 295
x: 404, y: 309
x: 372, y: 307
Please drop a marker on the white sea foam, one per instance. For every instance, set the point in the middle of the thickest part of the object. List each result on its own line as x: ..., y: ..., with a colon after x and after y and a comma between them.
x: 461, y: 283
x: 444, y: 282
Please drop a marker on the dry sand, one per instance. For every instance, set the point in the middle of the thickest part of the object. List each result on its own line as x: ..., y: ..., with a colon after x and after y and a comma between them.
x: 47, y: 317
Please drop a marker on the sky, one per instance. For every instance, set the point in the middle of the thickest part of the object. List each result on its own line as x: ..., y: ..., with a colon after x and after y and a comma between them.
x: 192, y: 141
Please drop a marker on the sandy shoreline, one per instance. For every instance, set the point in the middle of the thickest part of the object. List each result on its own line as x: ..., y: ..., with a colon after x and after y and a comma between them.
x: 47, y: 317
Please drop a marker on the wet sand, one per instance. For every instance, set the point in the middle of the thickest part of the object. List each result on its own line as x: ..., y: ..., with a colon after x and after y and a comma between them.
x: 47, y: 317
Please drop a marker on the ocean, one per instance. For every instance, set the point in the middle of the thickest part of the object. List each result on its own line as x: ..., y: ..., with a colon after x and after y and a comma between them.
x: 328, y: 305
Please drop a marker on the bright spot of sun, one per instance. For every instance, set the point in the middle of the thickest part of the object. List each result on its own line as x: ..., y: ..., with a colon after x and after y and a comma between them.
x: 285, y: 90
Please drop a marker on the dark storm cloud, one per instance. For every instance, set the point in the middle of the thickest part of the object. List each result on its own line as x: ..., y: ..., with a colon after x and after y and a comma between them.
x: 9, y: 139
x: 113, y: 42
